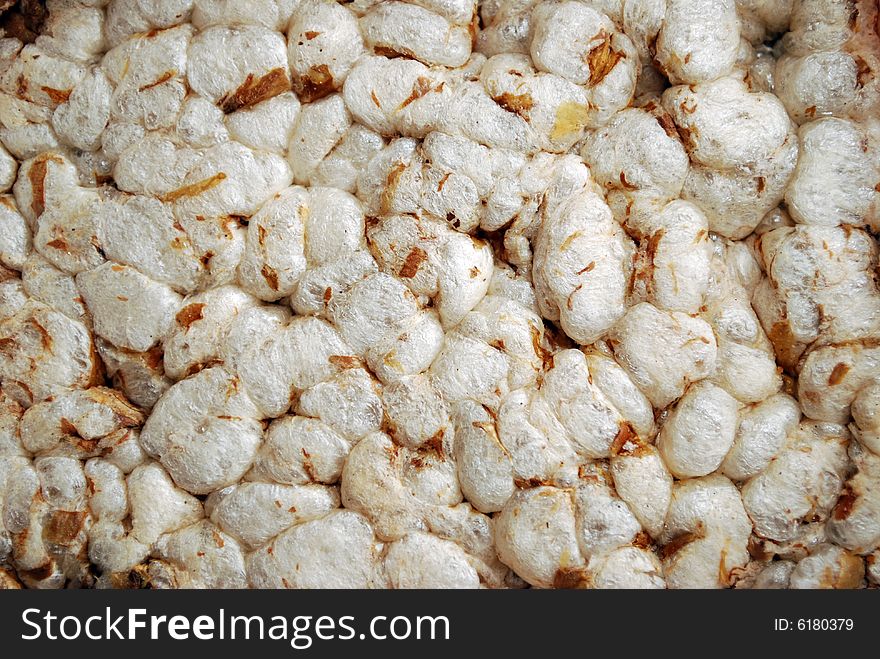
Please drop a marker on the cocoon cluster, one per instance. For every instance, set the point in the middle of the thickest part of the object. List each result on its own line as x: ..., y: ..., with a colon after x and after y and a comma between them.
x: 440, y: 294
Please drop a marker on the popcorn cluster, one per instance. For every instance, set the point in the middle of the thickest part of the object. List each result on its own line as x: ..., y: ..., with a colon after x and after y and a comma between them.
x: 440, y: 294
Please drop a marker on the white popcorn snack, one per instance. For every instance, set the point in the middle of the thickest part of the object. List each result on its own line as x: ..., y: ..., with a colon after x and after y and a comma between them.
x: 440, y: 294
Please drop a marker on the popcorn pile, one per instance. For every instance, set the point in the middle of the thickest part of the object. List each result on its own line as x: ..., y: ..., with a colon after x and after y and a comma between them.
x: 439, y: 293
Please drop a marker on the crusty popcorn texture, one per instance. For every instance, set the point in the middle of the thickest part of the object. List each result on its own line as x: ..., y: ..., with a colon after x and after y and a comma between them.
x: 440, y: 294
